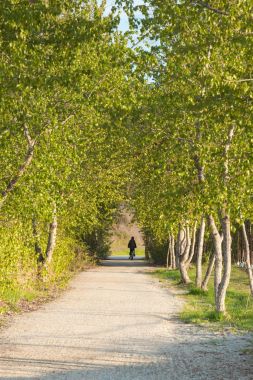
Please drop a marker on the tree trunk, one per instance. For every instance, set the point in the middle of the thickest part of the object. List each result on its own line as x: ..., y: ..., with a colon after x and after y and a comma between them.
x: 173, y: 258
x: 226, y: 228
x: 222, y: 250
x: 208, y: 272
x: 243, y: 255
x: 185, y: 279
x: 200, y: 253
x: 223, y: 245
x: 180, y: 237
x: 176, y: 258
x: 184, y: 246
x: 218, y: 255
x: 248, y: 265
x: 251, y: 246
x: 249, y: 234
x: 192, y: 250
x: 168, y: 253
x: 238, y: 246
x: 51, y: 238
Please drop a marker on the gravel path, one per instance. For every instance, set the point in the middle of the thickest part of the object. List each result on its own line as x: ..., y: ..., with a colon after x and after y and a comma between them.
x: 117, y: 322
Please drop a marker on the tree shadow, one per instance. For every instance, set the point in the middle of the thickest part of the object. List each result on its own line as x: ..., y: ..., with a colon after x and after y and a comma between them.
x: 193, y: 359
x: 123, y: 261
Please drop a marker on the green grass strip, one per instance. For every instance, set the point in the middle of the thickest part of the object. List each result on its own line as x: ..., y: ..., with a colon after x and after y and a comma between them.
x: 200, y: 308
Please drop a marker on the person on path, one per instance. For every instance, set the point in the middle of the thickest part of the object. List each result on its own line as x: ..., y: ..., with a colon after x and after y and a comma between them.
x: 132, y: 245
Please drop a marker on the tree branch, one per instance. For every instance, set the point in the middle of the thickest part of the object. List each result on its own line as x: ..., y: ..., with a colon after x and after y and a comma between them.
x: 240, y: 80
x: 27, y: 161
x: 28, y: 137
x: 210, y: 8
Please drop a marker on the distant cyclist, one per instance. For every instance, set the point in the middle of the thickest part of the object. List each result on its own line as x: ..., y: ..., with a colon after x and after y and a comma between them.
x: 132, y: 245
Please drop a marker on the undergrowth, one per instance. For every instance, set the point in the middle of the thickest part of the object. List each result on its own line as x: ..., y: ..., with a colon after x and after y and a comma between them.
x: 23, y: 283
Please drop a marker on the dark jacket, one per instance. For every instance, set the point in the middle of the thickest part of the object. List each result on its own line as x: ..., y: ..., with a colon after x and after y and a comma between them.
x: 132, y: 245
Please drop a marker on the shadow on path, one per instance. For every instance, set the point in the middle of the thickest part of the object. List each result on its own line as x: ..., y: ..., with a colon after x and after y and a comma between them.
x: 164, y: 359
x: 116, y: 323
x: 123, y: 261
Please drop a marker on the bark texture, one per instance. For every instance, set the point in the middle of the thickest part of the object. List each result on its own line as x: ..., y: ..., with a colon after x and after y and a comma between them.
x: 223, y: 243
x: 208, y: 272
x: 171, y: 260
x: 183, y: 251
x: 173, y: 257
x: 193, y: 243
x: 200, y: 252
x: 51, y: 237
x: 168, y: 259
x: 248, y: 266
x: 222, y: 246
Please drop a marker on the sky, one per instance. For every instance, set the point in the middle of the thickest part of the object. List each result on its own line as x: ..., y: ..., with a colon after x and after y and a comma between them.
x: 123, y: 20
x: 124, y: 25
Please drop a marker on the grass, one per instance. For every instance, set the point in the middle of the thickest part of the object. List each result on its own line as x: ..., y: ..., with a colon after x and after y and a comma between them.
x: 13, y: 299
x: 200, y: 308
x: 125, y: 252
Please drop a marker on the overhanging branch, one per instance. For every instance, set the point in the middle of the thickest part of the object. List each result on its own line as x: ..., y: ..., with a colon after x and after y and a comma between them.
x: 210, y: 8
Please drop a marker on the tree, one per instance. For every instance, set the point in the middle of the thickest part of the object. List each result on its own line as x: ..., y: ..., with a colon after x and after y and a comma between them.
x: 200, y: 81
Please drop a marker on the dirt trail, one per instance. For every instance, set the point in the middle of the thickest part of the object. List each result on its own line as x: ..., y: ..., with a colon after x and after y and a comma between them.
x: 117, y: 322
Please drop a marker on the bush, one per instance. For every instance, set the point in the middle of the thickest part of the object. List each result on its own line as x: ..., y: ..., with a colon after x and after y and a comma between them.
x: 22, y: 278
x: 155, y: 250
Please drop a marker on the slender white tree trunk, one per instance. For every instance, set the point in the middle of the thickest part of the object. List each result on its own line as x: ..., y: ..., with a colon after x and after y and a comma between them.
x: 168, y: 259
x: 208, y: 272
x: 179, y: 242
x: 227, y: 241
x: 248, y: 264
x: 51, y: 237
x: 222, y: 251
x: 223, y: 248
x: 184, y: 246
x: 193, y: 243
x: 218, y: 256
x: 173, y: 257
x: 200, y: 252
x: 177, y: 254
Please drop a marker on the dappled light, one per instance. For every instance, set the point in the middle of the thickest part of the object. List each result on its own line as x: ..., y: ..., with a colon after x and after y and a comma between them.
x: 126, y: 177
x: 115, y: 322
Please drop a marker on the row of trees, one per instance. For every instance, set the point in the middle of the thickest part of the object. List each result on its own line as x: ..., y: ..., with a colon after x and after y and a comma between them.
x: 66, y: 86
x: 194, y: 130
x: 86, y: 121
